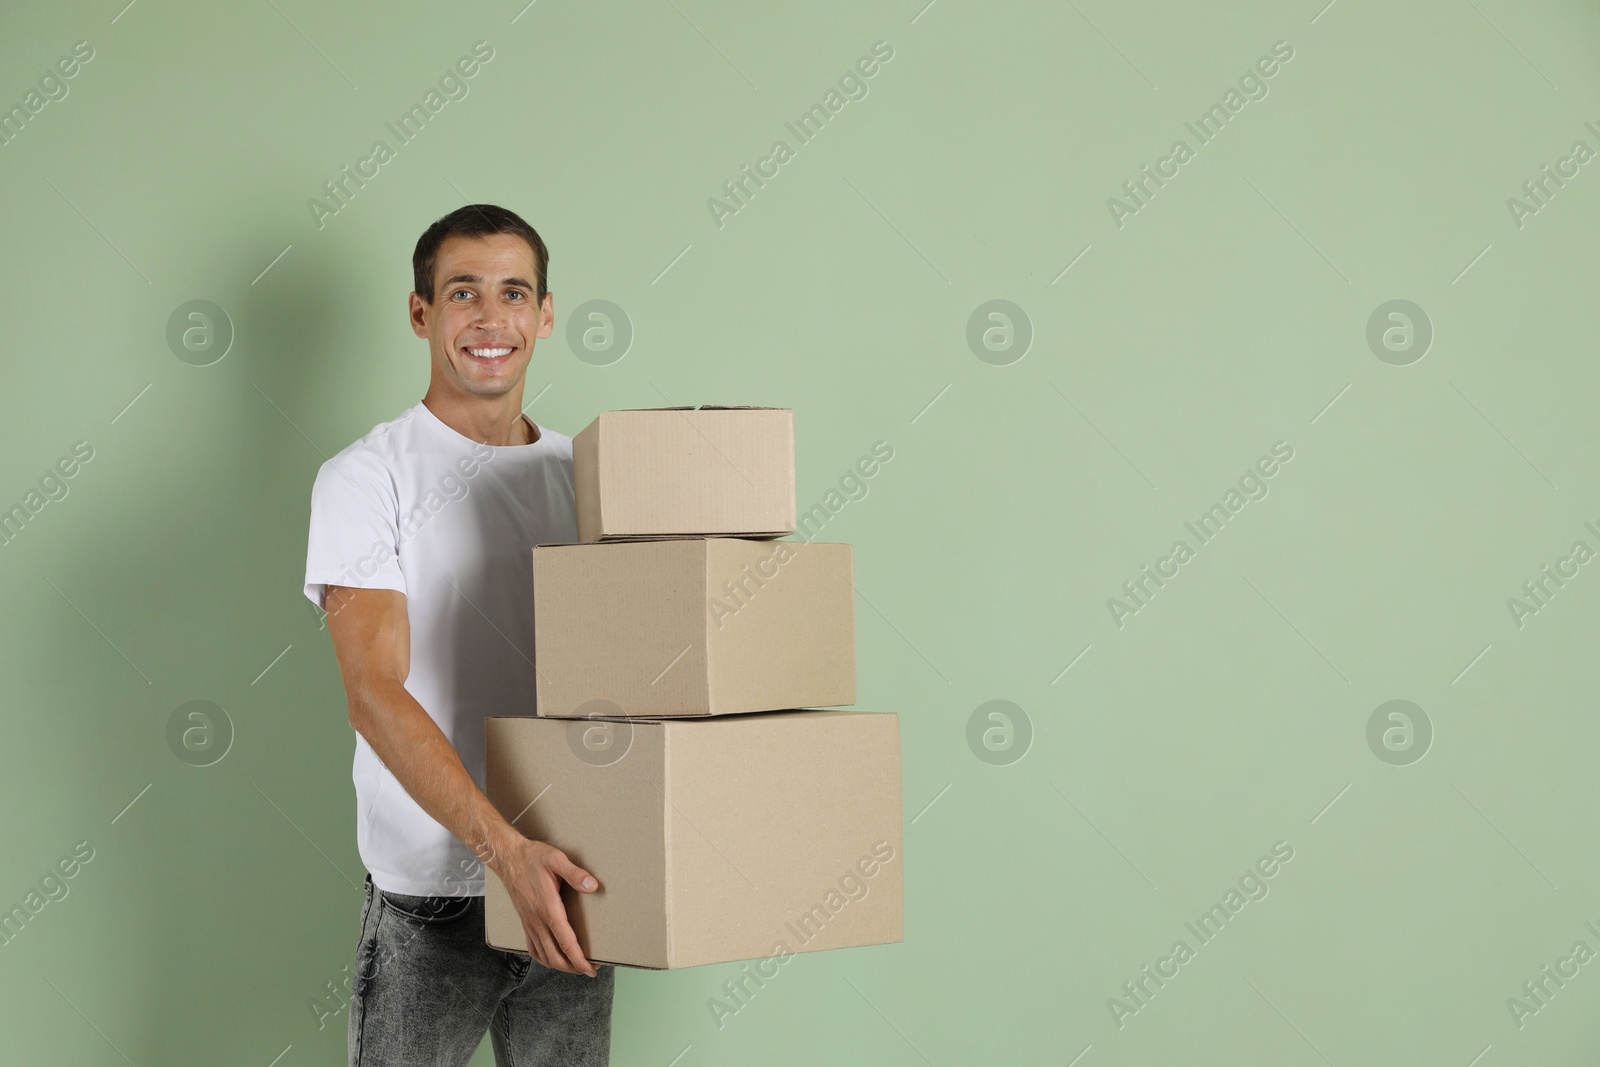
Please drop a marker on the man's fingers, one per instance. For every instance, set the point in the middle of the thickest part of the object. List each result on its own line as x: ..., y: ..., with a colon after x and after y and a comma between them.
x: 548, y: 954
x: 551, y: 939
x: 554, y: 958
x: 561, y: 930
x: 573, y: 875
x: 541, y: 946
x: 569, y: 945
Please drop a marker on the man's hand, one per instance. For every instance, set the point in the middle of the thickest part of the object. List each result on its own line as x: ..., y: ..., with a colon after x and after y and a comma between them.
x: 371, y: 633
x: 532, y: 872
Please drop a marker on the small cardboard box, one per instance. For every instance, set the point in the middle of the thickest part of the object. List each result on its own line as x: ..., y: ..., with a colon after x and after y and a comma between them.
x: 699, y: 626
x: 742, y: 838
x: 685, y: 472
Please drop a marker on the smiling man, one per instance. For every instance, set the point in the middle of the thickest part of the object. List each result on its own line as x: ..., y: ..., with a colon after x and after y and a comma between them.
x: 420, y: 553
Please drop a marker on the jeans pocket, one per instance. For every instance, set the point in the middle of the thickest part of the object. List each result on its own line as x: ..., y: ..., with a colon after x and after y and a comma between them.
x: 426, y: 910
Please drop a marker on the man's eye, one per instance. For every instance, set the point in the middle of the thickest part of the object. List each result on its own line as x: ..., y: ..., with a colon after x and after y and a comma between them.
x: 515, y: 293
x: 461, y: 292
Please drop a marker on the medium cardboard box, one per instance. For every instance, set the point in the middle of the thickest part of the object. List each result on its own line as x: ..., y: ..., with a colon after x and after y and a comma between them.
x: 742, y: 838
x: 698, y: 626
x: 685, y: 472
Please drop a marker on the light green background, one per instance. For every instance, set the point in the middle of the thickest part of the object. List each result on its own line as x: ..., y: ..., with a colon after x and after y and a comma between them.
x: 1230, y: 313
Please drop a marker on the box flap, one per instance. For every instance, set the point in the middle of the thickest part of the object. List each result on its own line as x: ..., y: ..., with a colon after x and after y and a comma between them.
x: 699, y: 407
x: 717, y: 470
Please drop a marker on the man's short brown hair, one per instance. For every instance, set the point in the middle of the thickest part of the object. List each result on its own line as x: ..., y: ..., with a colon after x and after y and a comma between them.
x: 474, y: 220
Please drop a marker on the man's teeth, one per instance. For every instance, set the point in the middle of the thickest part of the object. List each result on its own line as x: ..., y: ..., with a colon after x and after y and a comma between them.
x: 489, y: 353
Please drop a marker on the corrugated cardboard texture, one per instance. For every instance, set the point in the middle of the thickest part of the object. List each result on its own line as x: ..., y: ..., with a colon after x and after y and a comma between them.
x: 671, y: 472
x: 698, y: 626
x: 728, y: 839
x: 586, y: 481
x: 607, y: 819
x: 785, y: 641
x: 767, y: 814
x: 608, y: 621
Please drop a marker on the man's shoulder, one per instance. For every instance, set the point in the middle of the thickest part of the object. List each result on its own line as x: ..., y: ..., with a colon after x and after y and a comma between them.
x: 386, y: 436
x: 377, y: 450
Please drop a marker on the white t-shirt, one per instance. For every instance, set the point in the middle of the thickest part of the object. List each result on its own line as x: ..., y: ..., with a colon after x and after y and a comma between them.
x: 451, y: 523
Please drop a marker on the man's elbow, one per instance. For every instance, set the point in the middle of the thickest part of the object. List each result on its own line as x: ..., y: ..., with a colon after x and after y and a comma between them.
x: 357, y: 715
x: 362, y: 704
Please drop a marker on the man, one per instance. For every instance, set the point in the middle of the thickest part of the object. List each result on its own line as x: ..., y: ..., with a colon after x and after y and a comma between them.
x: 420, y: 554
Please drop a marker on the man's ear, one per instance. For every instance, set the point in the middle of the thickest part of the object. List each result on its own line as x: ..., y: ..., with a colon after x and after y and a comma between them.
x: 547, y: 324
x: 417, y: 311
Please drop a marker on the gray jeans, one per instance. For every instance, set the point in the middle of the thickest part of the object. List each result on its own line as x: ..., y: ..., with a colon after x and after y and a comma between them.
x: 427, y: 986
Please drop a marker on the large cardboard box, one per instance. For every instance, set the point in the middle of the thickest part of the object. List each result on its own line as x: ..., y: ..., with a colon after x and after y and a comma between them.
x: 692, y: 627
x: 742, y: 838
x: 685, y: 472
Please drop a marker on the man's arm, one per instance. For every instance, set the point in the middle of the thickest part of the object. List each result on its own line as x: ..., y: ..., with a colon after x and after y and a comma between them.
x: 372, y: 640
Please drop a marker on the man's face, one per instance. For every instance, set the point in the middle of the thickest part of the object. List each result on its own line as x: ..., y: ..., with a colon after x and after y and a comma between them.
x: 483, y: 320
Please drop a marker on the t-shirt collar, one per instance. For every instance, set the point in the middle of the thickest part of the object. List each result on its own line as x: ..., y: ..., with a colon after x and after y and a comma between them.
x: 455, y: 436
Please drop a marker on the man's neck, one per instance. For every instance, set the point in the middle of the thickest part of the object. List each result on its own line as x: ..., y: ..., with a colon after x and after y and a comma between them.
x: 487, y: 420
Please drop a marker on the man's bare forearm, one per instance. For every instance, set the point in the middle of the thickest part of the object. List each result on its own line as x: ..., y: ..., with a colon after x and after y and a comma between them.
x: 422, y: 760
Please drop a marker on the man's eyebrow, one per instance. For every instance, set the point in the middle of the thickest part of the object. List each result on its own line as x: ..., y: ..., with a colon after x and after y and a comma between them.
x: 475, y: 279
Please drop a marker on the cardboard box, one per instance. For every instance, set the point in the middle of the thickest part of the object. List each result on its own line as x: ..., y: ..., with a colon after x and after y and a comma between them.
x: 685, y: 472
x: 729, y: 839
x: 700, y: 626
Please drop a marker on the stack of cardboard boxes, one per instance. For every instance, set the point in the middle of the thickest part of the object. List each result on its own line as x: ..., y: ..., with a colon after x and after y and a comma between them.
x: 678, y: 645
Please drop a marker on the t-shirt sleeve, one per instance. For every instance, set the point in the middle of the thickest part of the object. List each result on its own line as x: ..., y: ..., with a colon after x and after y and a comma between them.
x: 355, y: 536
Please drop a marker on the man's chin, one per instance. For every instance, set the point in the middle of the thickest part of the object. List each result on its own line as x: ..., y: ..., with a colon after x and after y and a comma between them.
x: 490, y: 390
x: 497, y: 383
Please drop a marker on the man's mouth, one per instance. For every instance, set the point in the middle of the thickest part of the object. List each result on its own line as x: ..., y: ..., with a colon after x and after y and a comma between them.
x: 490, y: 354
